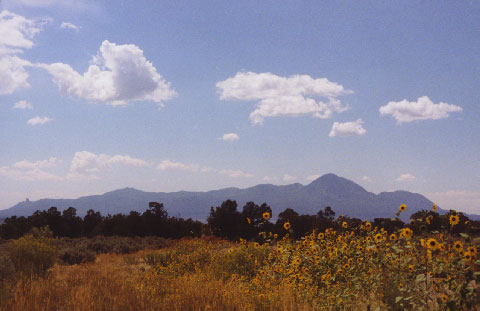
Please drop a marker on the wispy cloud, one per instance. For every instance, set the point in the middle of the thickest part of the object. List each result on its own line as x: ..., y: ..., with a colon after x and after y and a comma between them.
x: 22, y: 104
x: 68, y: 25
x: 230, y: 137
x: 406, y: 178
x: 288, y: 178
x: 38, y: 120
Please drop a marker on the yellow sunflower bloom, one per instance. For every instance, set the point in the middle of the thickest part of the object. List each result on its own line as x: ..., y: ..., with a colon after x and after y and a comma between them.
x: 434, y: 207
x: 444, y: 298
x: 393, y: 237
x: 266, y: 215
x: 402, y: 208
x: 454, y: 219
x: 432, y: 244
x: 344, y: 224
x: 286, y: 226
x: 458, y: 246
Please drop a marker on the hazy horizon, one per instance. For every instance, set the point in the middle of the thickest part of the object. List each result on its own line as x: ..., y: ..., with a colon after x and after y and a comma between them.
x: 181, y: 95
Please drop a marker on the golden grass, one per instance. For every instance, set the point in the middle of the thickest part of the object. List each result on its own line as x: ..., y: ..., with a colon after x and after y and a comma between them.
x: 124, y: 283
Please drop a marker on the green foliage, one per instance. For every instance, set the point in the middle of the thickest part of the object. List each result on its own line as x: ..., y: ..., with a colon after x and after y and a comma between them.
x: 242, y: 261
x: 34, y: 253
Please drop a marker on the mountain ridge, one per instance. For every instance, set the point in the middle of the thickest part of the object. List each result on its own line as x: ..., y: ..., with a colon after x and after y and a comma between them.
x: 343, y: 195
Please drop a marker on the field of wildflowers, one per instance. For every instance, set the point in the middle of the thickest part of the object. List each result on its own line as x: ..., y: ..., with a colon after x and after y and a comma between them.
x: 356, y: 266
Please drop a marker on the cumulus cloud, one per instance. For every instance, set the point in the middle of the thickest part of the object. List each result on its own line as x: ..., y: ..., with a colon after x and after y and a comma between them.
x: 119, y: 74
x: 16, y: 35
x: 68, y: 25
x: 288, y: 178
x: 267, y: 178
x: 38, y: 120
x: 348, y: 129
x: 406, y: 178
x: 422, y: 109
x: 230, y: 137
x: 313, y: 177
x: 283, y: 96
x: 23, y: 104
x: 87, y: 162
x: 25, y: 164
x: 30, y: 171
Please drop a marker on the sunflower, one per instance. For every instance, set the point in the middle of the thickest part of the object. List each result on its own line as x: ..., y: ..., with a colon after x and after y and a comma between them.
x: 400, y: 286
x: 378, y: 237
x: 275, y: 235
x: 256, y: 245
x: 249, y: 220
x: 454, y: 219
x: 297, y: 261
x: 393, y: 237
x: 406, y: 233
x: 467, y: 256
x: 458, y: 246
x: 434, y: 207
x: 402, y: 208
x: 286, y: 225
x: 444, y: 298
x: 411, y: 268
x: 344, y: 224
x: 472, y: 250
x: 321, y: 236
x: 266, y: 215
x: 346, y: 266
x: 368, y: 225
x: 432, y: 244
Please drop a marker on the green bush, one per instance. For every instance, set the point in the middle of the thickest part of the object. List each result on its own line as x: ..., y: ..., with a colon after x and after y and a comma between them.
x: 73, y: 256
x: 241, y: 260
x: 33, y: 253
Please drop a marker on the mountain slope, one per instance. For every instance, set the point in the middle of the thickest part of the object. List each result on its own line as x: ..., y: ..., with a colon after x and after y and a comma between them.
x: 344, y: 196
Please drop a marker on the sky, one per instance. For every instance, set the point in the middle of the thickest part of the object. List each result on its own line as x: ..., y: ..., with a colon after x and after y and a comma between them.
x: 202, y: 95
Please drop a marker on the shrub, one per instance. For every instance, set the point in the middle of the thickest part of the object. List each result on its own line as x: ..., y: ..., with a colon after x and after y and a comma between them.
x: 73, y: 256
x: 32, y: 253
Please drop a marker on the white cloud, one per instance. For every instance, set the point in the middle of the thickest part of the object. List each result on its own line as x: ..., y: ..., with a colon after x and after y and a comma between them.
x: 68, y: 25
x: 30, y: 171
x: 313, y: 177
x: 172, y: 165
x: 462, y: 200
x: 406, y: 178
x: 16, y: 35
x: 366, y: 178
x: 235, y: 173
x: 119, y: 74
x: 422, y: 109
x: 23, y: 104
x: 230, y: 137
x: 29, y: 175
x: 348, y: 129
x: 288, y: 178
x: 88, y: 162
x: 25, y: 164
x: 38, y: 120
x: 283, y: 96
x: 267, y: 178
x: 16, y: 32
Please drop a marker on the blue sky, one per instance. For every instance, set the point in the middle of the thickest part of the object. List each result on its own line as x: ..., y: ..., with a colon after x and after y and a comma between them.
x: 201, y: 95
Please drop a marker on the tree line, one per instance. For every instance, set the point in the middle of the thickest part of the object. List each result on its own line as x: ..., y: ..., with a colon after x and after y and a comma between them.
x: 253, y: 222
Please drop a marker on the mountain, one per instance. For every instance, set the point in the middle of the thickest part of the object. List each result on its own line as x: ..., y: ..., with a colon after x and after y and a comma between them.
x: 343, y: 195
